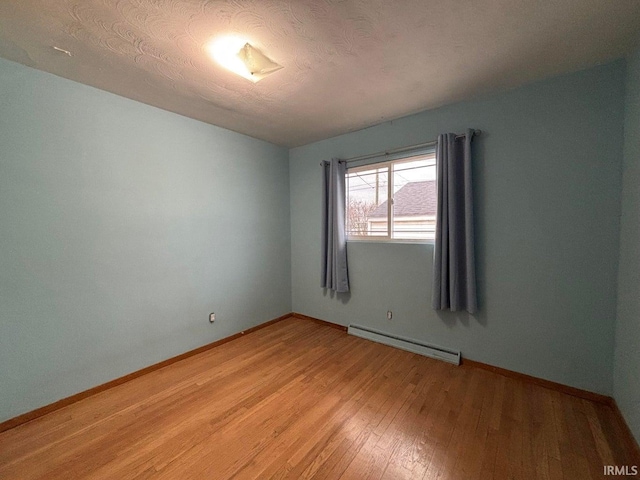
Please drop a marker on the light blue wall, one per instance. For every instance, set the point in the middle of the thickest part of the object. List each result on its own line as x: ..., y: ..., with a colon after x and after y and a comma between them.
x: 627, y: 352
x: 547, y: 188
x: 121, y: 227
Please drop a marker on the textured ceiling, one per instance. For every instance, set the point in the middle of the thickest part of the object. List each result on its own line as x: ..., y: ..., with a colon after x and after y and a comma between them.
x: 347, y: 63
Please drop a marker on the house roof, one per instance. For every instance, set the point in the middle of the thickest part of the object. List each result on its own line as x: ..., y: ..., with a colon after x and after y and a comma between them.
x: 414, y: 198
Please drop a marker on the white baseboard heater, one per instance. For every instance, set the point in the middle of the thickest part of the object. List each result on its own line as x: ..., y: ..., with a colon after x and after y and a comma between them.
x: 414, y: 346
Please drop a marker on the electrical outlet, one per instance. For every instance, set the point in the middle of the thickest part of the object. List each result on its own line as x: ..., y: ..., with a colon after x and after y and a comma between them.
x: 212, y: 317
x: 389, y: 314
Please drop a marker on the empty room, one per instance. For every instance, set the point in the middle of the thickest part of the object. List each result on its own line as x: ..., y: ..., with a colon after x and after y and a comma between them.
x: 355, y: 239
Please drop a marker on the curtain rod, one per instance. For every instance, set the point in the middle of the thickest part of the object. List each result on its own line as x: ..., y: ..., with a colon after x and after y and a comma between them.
x: 383, y: 153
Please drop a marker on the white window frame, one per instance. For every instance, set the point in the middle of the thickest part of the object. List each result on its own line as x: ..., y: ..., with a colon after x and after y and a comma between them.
x: 404, y: 157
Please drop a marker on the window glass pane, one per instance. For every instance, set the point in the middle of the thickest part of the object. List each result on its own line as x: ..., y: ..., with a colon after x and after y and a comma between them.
x: 414, y: 198
x: 412, y: 182
x: 366, y: 209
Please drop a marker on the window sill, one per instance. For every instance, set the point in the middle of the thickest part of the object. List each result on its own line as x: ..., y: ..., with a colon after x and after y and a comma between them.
x: 392, y: 240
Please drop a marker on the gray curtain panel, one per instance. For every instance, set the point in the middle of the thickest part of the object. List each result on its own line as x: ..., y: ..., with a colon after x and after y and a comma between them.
x: 454, y: 271
x: 335, y: 275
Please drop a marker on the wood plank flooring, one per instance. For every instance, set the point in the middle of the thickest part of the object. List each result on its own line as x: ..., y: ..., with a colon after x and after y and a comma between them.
x: 301, y: 400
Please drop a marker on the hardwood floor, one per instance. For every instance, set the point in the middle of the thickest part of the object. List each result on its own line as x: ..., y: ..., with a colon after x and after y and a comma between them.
x: 301, y: 400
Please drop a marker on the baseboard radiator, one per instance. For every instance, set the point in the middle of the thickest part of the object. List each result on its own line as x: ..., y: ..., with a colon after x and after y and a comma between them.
x: 414, y: 346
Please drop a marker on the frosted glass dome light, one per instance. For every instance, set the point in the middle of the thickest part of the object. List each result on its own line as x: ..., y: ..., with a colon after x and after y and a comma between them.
x: 239, y: 56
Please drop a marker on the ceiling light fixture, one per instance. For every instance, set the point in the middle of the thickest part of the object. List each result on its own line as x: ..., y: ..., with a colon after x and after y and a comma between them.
x: 242, y: 58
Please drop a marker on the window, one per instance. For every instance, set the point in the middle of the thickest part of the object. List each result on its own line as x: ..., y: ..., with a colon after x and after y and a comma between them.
x: 410, y: 184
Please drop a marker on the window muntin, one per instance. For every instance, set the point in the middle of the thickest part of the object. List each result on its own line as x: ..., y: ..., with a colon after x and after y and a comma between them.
x: 411, y: 213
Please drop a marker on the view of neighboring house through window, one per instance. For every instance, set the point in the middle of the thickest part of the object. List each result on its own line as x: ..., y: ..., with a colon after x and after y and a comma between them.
x: 409, y: 182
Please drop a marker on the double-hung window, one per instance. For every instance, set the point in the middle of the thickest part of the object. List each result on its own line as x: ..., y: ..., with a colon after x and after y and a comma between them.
x: 392, y: 200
